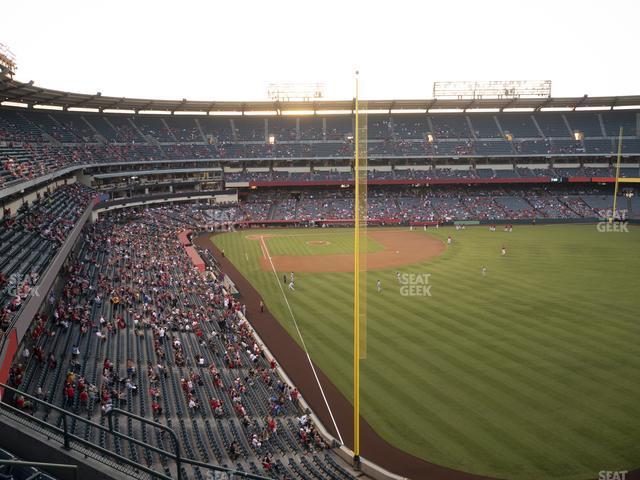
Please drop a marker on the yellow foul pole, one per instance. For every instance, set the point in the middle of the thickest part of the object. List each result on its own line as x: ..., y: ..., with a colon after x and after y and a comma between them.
x: 356, y: 292
x: 615, y: 190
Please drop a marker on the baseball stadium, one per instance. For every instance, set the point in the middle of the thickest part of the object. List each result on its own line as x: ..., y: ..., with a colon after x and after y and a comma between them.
x: 305, y: 288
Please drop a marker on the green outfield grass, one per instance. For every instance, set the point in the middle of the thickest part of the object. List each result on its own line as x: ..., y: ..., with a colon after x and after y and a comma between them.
x: 531, y: 372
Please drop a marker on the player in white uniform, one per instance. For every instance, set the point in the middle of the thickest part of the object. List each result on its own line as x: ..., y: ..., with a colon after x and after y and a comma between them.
x: 379, y: 286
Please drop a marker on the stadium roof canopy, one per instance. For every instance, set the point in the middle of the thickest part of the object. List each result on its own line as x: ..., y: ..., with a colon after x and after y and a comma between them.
x: 30, y: 94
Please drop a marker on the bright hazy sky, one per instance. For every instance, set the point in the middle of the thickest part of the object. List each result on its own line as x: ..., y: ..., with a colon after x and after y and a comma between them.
x: 231, y: 50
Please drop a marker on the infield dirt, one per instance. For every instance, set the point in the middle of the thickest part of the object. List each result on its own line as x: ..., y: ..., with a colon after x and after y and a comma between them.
x: 400, y: 248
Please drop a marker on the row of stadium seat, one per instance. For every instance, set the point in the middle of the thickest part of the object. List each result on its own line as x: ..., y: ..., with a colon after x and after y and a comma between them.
x: 130, y: 280
x: 28, y: 161
x: 411, y: 204
x: 436, y: 173
x: 67, y: 127
x: 31, y: 238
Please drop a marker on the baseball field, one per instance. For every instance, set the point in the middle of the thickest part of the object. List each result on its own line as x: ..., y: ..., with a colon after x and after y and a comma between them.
x: 528, y: 368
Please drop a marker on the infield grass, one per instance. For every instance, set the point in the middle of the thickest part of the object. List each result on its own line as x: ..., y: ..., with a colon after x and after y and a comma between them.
x: 315, y: 242
x: 529, y: 372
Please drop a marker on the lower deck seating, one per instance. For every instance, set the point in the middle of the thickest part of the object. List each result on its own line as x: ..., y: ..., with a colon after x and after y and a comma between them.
x: 420, y: 204
x: 138, y: 328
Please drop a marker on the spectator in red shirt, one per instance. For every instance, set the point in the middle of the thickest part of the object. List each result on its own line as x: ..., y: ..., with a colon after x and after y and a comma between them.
x: 71, y: 392
x: 157, y: 409
x: 84, y: 398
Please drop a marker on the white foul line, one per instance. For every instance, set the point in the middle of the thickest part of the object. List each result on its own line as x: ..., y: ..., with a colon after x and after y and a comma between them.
x: 304, y: 346
x: 263, y: 247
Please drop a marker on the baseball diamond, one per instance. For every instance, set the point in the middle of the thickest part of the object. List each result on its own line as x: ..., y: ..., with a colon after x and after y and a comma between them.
x: 487, y: 368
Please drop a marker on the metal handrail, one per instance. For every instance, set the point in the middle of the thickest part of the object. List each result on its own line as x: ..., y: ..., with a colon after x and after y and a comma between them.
x: 176, y: 444
x: 43, y: 465
x: 68, y: 437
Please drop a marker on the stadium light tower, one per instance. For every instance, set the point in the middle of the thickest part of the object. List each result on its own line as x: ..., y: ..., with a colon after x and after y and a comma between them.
x: 8, y: 65
x: 471, y: 90
x: 292, y: 91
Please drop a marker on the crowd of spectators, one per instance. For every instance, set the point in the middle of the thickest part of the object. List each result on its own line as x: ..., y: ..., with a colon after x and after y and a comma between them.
x: 408, y: 173
x: 133, y: 284
x: 30, y: 237
x: 35, y: 143
x: 420, y: 204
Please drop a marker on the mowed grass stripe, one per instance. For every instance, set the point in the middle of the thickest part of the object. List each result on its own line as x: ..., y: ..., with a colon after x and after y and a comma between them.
x: 463, y: 369
x: 400, y: 366
x: 558, y: 351
x: 324, y: 327
x: 316, y: 333
x: 555, y: 354
x: 438, y: 362
x: 500, y: 412
x: 496, y: 310
x: 461, y: 372
x: 536, y: 333
x: 493, y: 430
x: 454, y: 438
